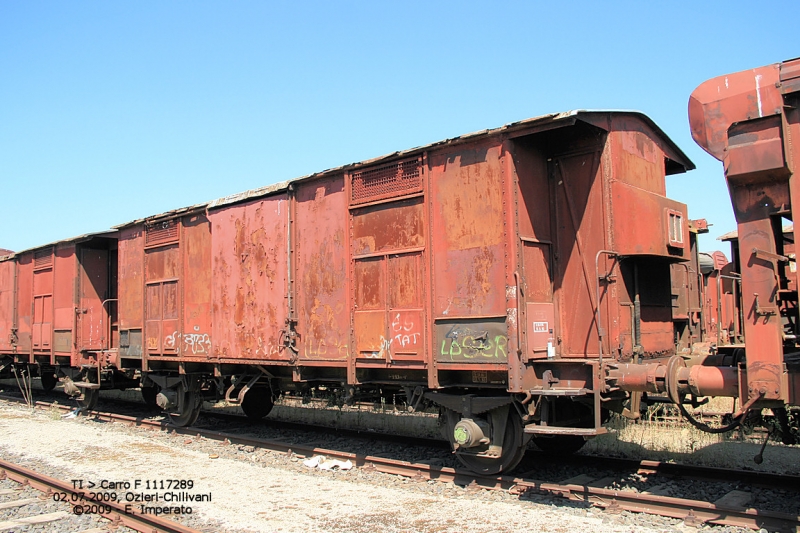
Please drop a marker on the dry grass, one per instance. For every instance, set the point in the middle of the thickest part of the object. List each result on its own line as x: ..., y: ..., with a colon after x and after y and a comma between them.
x: 663, y: 436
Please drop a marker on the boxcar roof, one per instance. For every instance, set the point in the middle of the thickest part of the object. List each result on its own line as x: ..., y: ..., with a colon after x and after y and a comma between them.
x: 527, y: 126
x: 680, y: 162
x: 79, y: 238
x: 166, y: 215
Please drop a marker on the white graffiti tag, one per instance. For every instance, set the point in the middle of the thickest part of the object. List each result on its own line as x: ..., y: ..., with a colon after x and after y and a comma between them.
x: 194, y: 343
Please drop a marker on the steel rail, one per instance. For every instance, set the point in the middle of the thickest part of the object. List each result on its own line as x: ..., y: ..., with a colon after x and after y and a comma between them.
x: 693, y: 512
x: 677, y: 470
x: 642, y: 466
x: 144, y: 523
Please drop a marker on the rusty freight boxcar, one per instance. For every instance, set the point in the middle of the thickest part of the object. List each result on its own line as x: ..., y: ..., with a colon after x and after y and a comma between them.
x: 524, y: 280
x: 58, y: 312
x: 493, y: 275
x: 165, y: 307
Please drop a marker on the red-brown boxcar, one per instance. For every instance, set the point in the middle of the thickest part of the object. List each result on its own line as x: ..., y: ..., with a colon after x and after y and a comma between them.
x: 498, y: 275
x: 501, y: 275
x: 489, y: 274
x: 165, y: 307
x: 524, y: 280
x: 57, y: 309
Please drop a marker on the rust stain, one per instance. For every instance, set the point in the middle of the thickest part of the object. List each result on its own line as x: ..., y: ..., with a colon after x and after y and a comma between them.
x: 386, y: 227
x: 238, y: 316
x: 475, y: 285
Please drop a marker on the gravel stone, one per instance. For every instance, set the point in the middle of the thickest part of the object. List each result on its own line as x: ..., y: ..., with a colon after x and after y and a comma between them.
x: 11, y: 491
x: 260, y: 491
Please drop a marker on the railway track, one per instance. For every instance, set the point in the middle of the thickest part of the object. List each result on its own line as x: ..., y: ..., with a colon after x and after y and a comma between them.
x: 81, y: 502
x: 642, y: 467
x: 730, y: 510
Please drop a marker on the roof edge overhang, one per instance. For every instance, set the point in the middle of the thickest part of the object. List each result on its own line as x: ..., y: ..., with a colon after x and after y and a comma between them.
x: 677, y: 161
x: 183, y: 211
x: 79, y: 239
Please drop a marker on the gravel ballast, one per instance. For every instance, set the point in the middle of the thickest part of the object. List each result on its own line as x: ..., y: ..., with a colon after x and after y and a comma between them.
x: 255, y: 490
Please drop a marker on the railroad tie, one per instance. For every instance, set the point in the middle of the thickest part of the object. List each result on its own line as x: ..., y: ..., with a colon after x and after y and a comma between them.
x: 18, y: 503
x: 581, y: 479
x: 662, y: 489
x: 588, y: 481
x: 735, y: 498
x: 39, y: 519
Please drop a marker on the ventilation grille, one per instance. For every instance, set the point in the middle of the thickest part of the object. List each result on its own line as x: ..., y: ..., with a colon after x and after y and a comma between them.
x: 43, y: 258
x: 386, y: 181
x: 158, y: 233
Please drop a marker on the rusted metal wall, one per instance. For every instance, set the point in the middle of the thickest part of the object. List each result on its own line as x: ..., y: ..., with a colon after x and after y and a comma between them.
x: 468, y: 240
x: 387, y: 240
x: 580, y: 234
x: 534, y: 215
x: 171, y: 258
x: 64, y: 314
x: 645, y: 223
x: 44, y: 284
x: 419, y: 262
x: 59, y: 300
x: 641, y: 219
x: 196, y: 291
x: 583, y: 190
x: 388, y: 280
x: 93, y: 317
x: 131, y: 290
x: 7, y: 296
x: 642, y: 223
x: 42, y: 317
x: 162, y: 276
x: 24, y: 302
x: 321, y: 271
x: 249, y: 289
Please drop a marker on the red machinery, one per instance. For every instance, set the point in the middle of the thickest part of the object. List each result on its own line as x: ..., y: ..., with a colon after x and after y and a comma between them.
x: 751, y: 122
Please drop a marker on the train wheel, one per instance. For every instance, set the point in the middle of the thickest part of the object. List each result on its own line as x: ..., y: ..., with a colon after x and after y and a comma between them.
x: 513, y: 451
x: 49, y: 380
x: 188, y: 409
x: 88, y: 398
x: 149, y: 395
x: 559, y: 444
x: 257, y: 403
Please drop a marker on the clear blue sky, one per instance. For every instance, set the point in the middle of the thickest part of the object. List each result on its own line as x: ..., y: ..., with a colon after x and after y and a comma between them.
x: 113, y: 111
